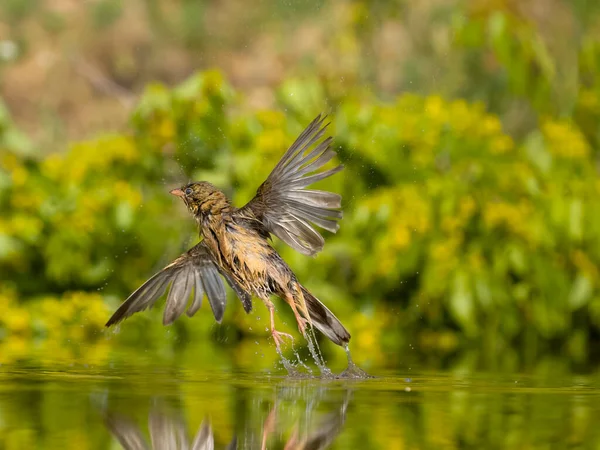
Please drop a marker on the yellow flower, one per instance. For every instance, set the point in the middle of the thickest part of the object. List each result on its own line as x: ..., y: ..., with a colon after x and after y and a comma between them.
x: 26, y: 226
x: 52, y: 166
x: 271, y: 119
x: 401, y: 237
x: 565, y: 140
x: 127, y: 193
x: 98, y: 352
x: 9, y: 162
x: 272, y: 141
x: 514, y: 218
x: 501, y: 144
x: 368, y: 338
x: 17, y: 321
x: 77, y: 170
x: 12, y: 349
x: 165, y: 129
x: 19, y: 176
x: 490, y: 125
x: 435, y: 108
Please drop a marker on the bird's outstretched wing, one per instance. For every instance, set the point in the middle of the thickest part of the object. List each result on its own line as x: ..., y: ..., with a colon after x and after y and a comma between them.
x: 195, y: 270
x: 127, y: 432
x: 284, y: 208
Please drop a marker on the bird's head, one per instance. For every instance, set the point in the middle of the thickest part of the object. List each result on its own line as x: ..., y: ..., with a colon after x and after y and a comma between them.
x: 201, y: 197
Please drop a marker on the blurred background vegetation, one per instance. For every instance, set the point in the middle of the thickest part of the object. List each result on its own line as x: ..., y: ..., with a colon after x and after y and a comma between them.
x: 469, y: 129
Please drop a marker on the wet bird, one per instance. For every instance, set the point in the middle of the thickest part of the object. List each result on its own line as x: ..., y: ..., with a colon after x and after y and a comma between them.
x: 235, y: 244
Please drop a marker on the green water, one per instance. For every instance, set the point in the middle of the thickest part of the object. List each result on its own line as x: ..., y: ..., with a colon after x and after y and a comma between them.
x: 140, y: 396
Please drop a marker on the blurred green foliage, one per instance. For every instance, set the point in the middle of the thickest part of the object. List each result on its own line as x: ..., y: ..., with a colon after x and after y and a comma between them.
x: 471, y: 213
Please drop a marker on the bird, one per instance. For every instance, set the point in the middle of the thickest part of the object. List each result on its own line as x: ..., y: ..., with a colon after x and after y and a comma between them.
x: 236, y: 244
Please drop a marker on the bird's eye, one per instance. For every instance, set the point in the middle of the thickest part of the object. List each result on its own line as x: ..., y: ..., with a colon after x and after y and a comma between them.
x: 188, y: 191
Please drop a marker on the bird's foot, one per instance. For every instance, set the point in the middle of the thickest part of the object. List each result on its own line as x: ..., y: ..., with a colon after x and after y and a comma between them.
x: 278, y: 338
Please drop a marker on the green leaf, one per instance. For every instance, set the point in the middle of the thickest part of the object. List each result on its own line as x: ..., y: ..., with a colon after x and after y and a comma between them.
x: 123, y: 216
x: 537, y: 153
x: 461, y: 303
x: 581, y: 292
x: 497, y: 26
x: 517, y: 258
x: 576, y: 219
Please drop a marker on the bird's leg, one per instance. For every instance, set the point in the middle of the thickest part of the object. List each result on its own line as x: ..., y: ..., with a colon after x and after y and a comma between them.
x: 268, y: 428
x: 293, y: 442
x: 277, y: 335
x: 301, y: 320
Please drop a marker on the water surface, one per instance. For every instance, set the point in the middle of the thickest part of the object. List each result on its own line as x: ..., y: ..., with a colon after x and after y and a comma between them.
x: 145, y: 400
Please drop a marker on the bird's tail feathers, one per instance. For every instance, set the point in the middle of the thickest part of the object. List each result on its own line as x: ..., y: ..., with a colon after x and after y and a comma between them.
x: 324, y: 320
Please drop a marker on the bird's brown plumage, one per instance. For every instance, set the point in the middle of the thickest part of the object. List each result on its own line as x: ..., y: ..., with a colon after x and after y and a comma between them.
x: 235, y: 242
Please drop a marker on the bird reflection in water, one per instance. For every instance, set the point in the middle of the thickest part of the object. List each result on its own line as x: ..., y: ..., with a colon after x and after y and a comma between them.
x: 166, y: 433
x: 285, y: 426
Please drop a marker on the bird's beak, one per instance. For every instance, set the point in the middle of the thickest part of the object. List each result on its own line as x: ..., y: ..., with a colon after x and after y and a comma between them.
x: 177, y: 192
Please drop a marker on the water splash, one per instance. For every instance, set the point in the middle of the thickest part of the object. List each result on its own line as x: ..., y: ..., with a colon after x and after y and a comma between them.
x: 353, y: 371
x: 315, y: 352
x: 288, y: 365
x: 292, y: 367
x: 302, y: 364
